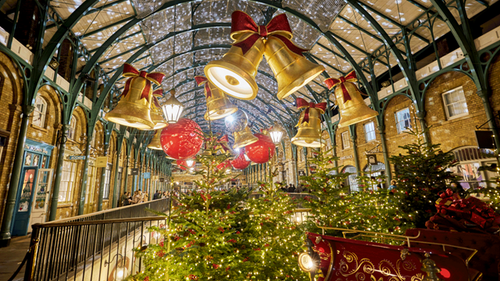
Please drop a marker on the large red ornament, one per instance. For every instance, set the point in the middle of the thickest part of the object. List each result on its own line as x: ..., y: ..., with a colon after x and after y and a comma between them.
x: 181, y: 164
x: 240, y: 162
x: 224, y: 165
x: 262, y: 150
x: 181, y: 140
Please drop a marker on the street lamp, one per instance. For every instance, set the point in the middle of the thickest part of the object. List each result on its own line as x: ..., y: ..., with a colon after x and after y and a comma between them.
x: 172, y: 109
x: 276, y: 133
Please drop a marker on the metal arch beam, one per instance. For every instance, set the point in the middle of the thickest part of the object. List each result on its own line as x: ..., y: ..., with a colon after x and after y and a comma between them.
x: 361, y: 29
x: 324, y: 62
x: 243, y: 109
x: 405, y: 69
x: 107, y: 26
x: 55, y: 41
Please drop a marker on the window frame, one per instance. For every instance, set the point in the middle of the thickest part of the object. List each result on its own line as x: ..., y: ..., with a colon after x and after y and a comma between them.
x: 373, y: 131
x: 446, y: 110
x: 402, y: 130
x: 345, y: 144
x: 72, y: 128
x: 67, y: 185
x: 40, y: 122
x: 107, y: 181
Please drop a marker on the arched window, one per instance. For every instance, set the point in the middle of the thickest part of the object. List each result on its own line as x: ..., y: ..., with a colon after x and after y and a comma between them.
x: 72, y: 128
x: 40, y: 112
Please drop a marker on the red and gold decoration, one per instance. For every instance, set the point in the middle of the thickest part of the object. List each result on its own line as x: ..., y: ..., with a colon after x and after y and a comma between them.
x: 218, y: 104
x: 464, y: 215
x: 352, y: 107
x: 134, y: 107
x: 237, y: 123
x: 156, y: 112
x: 224, y: 165
x: 181, y: 140
x: 240, y: 162
x: 235, y: 72
x: 309, y: 133
x: 181, y: 164
x: 262, y: 150
x: 155, y: 143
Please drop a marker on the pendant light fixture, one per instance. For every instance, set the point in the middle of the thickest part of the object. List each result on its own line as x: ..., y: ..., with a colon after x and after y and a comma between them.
x: 172, y: 109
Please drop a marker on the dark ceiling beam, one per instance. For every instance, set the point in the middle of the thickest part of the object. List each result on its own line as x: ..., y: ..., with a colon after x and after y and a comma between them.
x: 120, y: 54
x: 118, y: 41
x: 361, y: 29
x: 93, y: 32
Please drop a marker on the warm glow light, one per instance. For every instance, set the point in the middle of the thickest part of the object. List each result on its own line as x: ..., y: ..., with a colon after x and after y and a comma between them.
x: 189, y: 162
x: 306, y: 263
x: 230, y: 82
x: 120, y: 273
x: 230, y: 119
x: 172, y: 109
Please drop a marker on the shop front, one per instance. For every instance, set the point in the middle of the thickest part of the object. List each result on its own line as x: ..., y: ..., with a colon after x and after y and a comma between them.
x: 34, y: 187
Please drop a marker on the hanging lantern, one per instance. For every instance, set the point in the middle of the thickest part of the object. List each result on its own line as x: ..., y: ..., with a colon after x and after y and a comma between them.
x: 134, y: 107
x: 309, y: 134
x: 352, y: 107
x: 156, y: 111
x: 181, y: 140
x: 240, y: 162
x: 155, y: 143
x: 218, y: 104
x: 276, y: 133
x: 190, y: 162
x: 235, y: 73
x: 291, y: 69
x: 172, y: 109
x: 262, y: 150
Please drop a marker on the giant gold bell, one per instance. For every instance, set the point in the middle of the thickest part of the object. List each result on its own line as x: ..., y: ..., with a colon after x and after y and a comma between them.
x: 354, y: 110
x: 244, y: 138
x: 309, y: 134
x: 291, y: 70
x: 155, y: 143
x: 235, y: 72
x: 157, y: 118
x: 218, y: 104
x: 132, y: 110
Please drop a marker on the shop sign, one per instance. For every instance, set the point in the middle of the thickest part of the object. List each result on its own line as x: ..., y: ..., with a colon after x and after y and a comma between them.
x: 162, y: 179
x: 101, y: 161
x: 345, y: 157
x: 134, y: 171
x: 76, y: 157
x: 35, y: 149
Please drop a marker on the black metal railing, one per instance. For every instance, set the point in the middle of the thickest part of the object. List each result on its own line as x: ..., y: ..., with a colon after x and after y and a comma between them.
x: 92, y: 249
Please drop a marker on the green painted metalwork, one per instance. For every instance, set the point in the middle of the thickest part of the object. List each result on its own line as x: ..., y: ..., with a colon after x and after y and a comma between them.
x: 353, y: 136
x: 94, y: 32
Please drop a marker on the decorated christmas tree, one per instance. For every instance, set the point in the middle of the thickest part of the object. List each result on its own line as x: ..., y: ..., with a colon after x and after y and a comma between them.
x: 217, y: 235
x: 422, y: 174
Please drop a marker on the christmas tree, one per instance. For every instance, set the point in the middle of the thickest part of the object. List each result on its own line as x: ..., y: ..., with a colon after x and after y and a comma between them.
x: 217, y: 235
x: 421, y: 174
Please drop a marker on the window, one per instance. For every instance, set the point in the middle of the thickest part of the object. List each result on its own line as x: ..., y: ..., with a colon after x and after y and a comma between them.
x: 67, y: 180
x: 107, y: 177
x: 92, y: 141
x: 369, y: 131
x: 346, y: 143
x: 403, y: 121
x: 454, y: 103
x: 72, y: 128
x: 39, y: 112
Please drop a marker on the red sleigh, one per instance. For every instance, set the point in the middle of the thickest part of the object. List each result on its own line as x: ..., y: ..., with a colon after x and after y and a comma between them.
x: 331, y: 258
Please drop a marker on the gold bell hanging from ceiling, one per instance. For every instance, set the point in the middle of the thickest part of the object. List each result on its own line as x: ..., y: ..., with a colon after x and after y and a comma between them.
x: 237, y: 124
x: 309, y: 134
x: 218, y: 104
x: 157, y: 112
x: 134, y: 107
x: 155, y: 143
x: 235, y: 73
x: 352, y: 107
x: 243, y: 138
x: 291, y: 69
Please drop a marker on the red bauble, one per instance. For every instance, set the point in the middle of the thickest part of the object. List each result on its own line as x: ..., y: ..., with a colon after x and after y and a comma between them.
x: 181, y: 164
x: 262, y: 150
x: 240, y: 162
x: 224, y: 165
x: 181, y: 140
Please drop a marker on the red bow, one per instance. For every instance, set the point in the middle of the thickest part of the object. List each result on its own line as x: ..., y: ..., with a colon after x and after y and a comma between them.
x: 241, y: 23
x: 302, y: 103
x: 332, y: 82
x: 200, y: 80
x: 130, y: 71
x: 157, y: 93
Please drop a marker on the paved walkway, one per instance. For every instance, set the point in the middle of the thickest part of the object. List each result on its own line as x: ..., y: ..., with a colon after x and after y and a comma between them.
x: 12, y: 256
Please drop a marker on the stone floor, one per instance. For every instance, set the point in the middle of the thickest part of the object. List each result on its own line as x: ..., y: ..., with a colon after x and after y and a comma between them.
x: 12, y: 256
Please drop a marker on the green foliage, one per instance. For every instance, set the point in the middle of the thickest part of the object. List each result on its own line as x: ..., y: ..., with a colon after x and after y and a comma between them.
x: 421, y: 174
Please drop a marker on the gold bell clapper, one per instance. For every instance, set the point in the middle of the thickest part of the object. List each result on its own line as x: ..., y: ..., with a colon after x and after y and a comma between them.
x: 235, y: 73
x: 218, y: 104
x: 352, y: 107
x: 155, y: 143
x: 243, y: 138
x: 156, y: 111
x: 134, y: 107
x: 291, y: 69
x: 309, y: 133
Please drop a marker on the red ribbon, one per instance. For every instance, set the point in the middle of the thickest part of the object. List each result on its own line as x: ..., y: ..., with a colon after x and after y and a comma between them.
x: 223, y: 141
x: 157, y: 93
x: 302, y: 103
x: 332, y: 82
x: 200, y: 80
x: 130, y: 71
x: 278, y: 27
